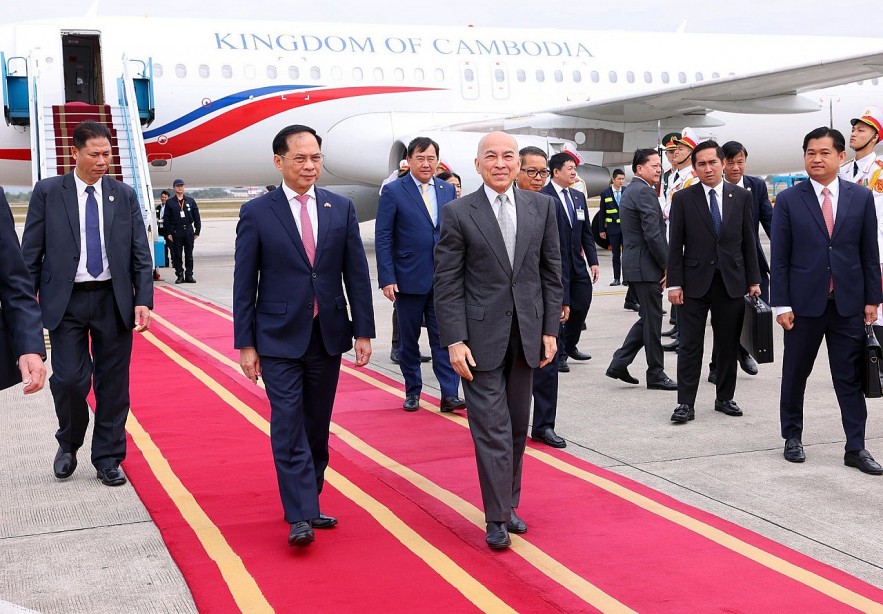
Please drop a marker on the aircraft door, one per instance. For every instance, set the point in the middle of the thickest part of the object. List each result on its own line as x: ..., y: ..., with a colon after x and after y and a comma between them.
x: 82, y: 68
x: 469, y: 80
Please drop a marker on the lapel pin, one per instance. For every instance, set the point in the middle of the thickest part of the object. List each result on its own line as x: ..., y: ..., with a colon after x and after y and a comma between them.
x: 327, y: 205
x: 110, y: 198
x: 730, y: 195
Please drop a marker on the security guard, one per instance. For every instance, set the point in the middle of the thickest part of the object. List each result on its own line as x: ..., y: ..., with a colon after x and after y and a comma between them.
x: 866, y: 169
x: 181, y: 224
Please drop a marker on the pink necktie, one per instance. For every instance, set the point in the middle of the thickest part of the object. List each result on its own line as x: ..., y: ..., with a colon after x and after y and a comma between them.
x: 306, y: 236
x: 828, y: 214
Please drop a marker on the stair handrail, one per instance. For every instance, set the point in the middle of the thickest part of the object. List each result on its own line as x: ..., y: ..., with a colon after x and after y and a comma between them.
x: 38, y: 122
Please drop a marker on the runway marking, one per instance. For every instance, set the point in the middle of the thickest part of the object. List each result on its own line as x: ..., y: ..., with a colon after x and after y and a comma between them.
x: 438, y: 561
x: 243, y: 587
x: 771, y: 561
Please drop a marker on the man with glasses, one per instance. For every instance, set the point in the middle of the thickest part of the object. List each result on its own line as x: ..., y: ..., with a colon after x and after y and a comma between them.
x: 297, y: 247
x: 405, y: 233
x: 182, y: 225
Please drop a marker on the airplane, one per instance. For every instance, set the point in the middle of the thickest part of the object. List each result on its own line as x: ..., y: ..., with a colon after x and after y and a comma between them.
x: 207, y: 107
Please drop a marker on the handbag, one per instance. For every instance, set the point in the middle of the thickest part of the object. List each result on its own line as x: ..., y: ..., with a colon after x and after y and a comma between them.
x: 757, y: 330
x: 871, y: 358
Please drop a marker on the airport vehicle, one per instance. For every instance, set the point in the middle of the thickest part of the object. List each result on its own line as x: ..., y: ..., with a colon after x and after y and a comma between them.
x: 207, y: 107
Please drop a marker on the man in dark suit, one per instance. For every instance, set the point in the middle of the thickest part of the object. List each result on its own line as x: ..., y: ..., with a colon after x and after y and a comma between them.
x: 735, y: 157
x: 644, y: 259
x: 182, y: 226
x: 712, y: 264
x: 825, y: 282
x: 579, y: 241
x: 296, y: 249
x: 21, y: 313
x: 405, y: 233
x: 608, y: 221
x: 86, y: 248
x: 498, y: 298
x: 160, y: 223
x: 532, y: 176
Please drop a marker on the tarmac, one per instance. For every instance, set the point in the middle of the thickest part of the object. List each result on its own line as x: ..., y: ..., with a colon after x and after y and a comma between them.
x: 78, y: 546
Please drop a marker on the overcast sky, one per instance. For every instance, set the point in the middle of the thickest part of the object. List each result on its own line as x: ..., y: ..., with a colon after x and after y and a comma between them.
x: 844, y: 18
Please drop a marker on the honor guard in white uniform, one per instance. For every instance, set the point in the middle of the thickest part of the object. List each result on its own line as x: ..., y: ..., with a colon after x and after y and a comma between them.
x: 682, y: 174
x: 866, y: 169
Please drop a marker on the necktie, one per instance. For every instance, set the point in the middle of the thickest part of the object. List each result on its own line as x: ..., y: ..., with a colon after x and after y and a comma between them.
x: 306, y: 236
x: 854, y: 168
x: 504, y: 218
x: 675, y: 178
x: 616, y: 195
x: 828, y: 214
x: 569, y: 202
x: 426, y: 201
x: 94, y: 265
x: 715, y: 213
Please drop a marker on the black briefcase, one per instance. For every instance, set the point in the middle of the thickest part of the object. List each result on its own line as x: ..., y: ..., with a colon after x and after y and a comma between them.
x: 10, y: 375
x: 871, y: 358
x: 757, y: 329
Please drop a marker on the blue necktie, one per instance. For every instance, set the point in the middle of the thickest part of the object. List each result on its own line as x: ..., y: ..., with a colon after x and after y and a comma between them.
x: 715, y: 213
x: 93, y: 235
x: 569, y: 202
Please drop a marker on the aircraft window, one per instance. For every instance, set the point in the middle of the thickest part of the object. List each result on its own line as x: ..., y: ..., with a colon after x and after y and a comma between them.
x: 272, y: 73
x: 665, y: 76
x: 315, y: 73
x: 732, y: 74
x: 648, y: 76
x: 157, y: 70
x: 630, y: 77
x: 499, y: 75
x: 559, y: 76
x: 378, y: 74
x: 612, y: 76
x: 398, y: 74
x: 439, y: 74
x: 541, y: 76
x: 418, y: 74
x: 700, y: 76
x: 595, y: 76
x: 715, y: 75
x: 469, y: 75
x: 577, y: 76
x: 249, y: 71
x: 358, y: 75
x: 336, y: 73
x: 293, y: 72
x: 180, y: 70
x: 203, y: 71
x: 874, y: 81
x: 226, y: 71
x: 521, y: 75
x: 682, y: 77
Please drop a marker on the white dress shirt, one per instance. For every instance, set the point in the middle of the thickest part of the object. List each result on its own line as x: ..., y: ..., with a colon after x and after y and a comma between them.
x: 311, y: 210
x: 82, y: 274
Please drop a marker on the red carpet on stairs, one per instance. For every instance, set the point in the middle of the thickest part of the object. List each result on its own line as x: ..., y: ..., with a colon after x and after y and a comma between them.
x: 405, y: 488
x: 65, y: 118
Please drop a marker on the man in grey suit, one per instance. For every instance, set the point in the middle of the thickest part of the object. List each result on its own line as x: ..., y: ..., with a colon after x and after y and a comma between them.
x: 644, y: 258
x: 93, y: 273
x: 498, y: 302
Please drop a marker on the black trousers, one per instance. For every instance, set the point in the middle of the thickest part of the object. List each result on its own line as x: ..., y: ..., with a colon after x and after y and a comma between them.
x: 545, y: 393
x: 765, y: 295
x: 645, y: 332
x: 726, y: 325
x: 580, y: 301
x: 182, y: 253
x: 615, y: 238
x: 92, y: 320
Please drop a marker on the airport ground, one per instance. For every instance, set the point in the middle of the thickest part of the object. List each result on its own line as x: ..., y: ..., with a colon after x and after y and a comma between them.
x: 78, y: 546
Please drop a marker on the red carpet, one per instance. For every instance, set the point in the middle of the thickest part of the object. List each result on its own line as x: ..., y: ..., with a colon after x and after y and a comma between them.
x: 411, y: 533
x: 65, y: 118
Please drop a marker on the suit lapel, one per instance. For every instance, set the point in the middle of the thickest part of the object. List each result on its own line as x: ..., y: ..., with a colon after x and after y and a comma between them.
x: 728, y: 204
x: 844, y: 200
x: 323, y: 217
x: 71, y: 205
x: 812, y: 204
x: 411, y: 188
x: 280, y: 207
x: 526, y: 215
x: 701, y: 203
x: 108, y: 196
x: 483, y: 216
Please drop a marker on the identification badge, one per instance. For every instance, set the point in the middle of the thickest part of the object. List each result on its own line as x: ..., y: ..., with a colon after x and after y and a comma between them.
x: 182, y: 214
x: 581, y: 215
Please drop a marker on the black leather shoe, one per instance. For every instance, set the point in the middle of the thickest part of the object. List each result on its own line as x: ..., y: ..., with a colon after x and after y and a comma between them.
x: 301, y: 534
x: 683, y: 414
x: 548, y: 437
x: 663, y: 384
x: 621, y: 374
x: 516, y: 524
x: 394, y: 356
x: 671, y: 347
x: 65, y: 463
x: 712, y: 377
x: 728, y: 407
x: 863, y: 461
x: 412, y: 402
x: 111, y: 476
x: 615, y: 282
x: 577, y: 355
x: 179, y: 279
x: 497, y: 537
x: 631, y: 306
x: 449, y: 404
x: 189, y: 280
x: 794, y: 451
x: 425, y: 358
x: 748, y: 364
x: 670, y: 332
x: 563, y: 367
x: 323, y: 522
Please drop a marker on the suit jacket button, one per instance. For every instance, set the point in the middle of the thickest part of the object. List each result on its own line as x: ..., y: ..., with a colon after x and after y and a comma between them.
x: 712, y: 262
x: 513, y: 284
x: 508, y: 313
x: 314, y: 276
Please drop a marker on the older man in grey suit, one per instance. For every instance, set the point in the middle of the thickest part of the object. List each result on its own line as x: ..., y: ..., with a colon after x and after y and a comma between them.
x: 644, y: 258
x: 498, y: 300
